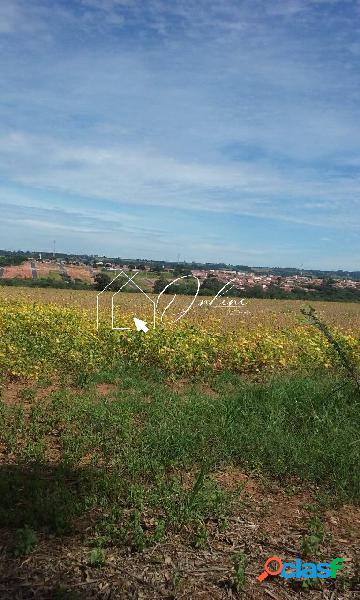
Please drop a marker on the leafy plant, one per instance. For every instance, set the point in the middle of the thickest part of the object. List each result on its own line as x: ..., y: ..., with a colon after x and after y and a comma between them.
x: 239, y: 565
x: 311, y: 543
x: 341, y: 350
x: 26, y: 540
x: 97, y: 557
x: 201, y: 535
x: 27, y: 394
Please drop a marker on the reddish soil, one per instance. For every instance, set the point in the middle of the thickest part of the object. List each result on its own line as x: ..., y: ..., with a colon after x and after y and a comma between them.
x: 78, y: 272
x: 105, y: 389
x: 23, y: 270
x: 45, y: 269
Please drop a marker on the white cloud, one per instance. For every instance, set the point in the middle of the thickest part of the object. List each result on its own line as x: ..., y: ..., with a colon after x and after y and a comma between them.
x: 128, y: 174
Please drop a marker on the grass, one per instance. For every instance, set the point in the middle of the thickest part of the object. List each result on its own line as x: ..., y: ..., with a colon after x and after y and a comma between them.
x: 142, y: 460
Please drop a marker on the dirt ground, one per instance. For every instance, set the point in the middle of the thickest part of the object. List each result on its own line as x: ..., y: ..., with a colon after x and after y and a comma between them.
x: 271, y: 521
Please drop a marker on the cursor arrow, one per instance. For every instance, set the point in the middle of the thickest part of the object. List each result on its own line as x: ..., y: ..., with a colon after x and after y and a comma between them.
x: 140, y: 325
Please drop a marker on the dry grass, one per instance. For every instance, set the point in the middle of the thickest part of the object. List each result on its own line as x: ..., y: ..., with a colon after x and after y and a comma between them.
x: 277, y: 314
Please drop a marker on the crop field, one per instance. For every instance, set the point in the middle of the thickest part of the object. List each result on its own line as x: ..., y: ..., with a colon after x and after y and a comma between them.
x: 55, y: 331
x: 173, y: 463
x: 273, y: 313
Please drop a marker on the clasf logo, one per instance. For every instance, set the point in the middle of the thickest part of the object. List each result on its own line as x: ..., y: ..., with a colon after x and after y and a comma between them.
x: 300, y: 570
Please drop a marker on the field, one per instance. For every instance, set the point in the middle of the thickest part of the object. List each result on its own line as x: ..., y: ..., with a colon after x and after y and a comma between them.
x: 55, y: 332
x: 83, y: 273
x: 276, y: 313
x: 48, y: 270
x: 172, y: 464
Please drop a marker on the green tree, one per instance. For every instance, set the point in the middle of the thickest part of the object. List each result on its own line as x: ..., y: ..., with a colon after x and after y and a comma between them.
x: 160, y: 284
x: 181, y: 270
x: 101, y: 281
x: 211, y: 285
x: 157, y: 269
x: 12, y: 260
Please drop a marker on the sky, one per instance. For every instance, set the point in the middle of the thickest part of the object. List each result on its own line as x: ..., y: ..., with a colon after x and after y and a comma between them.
x: 219, y: 131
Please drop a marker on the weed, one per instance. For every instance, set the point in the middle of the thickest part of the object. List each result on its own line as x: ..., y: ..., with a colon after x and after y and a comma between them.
x: 199, y: 483
x: 137, y: 536
x: 176, y: 580
x: 311, y: 543
x: 97, y: 557
x: 201, y: 535
x: 341, y: 349
x: 81, y: 379
x: 239, y: 565
x: 159, y: 531
x: 27, y: 394
x: 44, y: 381
x: 26, y: 541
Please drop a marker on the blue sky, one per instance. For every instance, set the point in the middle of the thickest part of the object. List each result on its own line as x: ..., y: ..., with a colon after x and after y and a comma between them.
x: 220, y: 131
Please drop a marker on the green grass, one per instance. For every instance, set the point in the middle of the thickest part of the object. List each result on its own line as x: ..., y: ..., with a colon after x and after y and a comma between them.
x: 120, y: 460
x: 54, y: 275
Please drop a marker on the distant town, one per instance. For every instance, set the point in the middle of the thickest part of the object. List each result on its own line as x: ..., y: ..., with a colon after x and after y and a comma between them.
x: 46, y: 269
